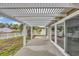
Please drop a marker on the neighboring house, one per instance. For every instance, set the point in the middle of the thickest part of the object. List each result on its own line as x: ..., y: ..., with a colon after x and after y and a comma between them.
x: 5, y: 29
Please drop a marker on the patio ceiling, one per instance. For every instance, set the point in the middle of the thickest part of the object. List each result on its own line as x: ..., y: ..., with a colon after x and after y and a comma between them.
x: 36, y: 14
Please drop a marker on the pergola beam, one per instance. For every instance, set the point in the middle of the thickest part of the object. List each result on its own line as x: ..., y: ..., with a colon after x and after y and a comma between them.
x: 19, y: 5
x: 24, y: 10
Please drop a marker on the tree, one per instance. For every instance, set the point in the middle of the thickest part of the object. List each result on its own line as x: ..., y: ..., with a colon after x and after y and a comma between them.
x: 37, y: 29
x: 21, y: 27
x: 2, y: 25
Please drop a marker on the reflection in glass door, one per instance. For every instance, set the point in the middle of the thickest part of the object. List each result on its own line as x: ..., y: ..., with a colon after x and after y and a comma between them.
x: 60, y: 34
x: 72, y: 35
x: 53, y: 33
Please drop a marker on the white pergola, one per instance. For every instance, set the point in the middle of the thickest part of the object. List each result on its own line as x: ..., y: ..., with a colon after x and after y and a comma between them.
x: 36, y: 14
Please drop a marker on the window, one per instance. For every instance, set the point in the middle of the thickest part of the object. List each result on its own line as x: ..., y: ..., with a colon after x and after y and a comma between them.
x: 53, y: 33
x: 60, y: 34
x: 72, y: 36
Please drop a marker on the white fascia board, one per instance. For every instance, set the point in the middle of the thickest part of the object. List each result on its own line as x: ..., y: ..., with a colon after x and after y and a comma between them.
x: 15, y: 5
x: 68, y: 17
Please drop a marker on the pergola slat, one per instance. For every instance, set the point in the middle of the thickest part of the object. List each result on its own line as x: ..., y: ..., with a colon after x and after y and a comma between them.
x: 41, y: 11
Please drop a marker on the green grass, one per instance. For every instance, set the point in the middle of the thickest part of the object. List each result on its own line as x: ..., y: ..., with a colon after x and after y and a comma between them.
x: 10, y: 46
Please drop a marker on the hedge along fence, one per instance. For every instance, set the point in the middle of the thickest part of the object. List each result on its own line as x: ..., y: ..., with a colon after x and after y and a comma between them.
x: 10, y: 46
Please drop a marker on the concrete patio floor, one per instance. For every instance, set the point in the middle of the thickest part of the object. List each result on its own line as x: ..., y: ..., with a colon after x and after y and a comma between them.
x: 36, y: 47
x: 25, y: 51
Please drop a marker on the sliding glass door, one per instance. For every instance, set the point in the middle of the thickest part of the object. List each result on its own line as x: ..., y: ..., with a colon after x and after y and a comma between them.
x: 53, y: 33
x: 67, y: 35
x: 72, y: 36
x: 60, y: 34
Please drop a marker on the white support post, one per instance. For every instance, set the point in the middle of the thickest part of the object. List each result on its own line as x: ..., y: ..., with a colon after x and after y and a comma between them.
x: 24, y: 34
x: 46, y: 33
x: 65, y: 41
x: 31, y: 32
x: 50, y: 32
x: 55, y: 33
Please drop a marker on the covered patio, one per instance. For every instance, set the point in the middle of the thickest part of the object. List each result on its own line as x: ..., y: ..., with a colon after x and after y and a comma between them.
x: 41, y: 15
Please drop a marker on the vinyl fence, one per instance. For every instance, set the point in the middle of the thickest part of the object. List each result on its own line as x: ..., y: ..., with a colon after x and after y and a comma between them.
x: 9, y: 35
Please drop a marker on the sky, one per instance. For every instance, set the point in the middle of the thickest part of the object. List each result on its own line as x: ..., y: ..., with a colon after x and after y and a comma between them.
x: 8, y: 20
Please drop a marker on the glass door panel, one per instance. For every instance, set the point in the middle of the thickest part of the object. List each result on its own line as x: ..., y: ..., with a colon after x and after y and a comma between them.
x: 72, y: 35
x: 60, y: 34
x: 53, y: 33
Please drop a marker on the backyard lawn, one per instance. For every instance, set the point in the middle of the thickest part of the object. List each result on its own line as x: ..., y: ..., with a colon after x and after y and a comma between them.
x: 9, y: 47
